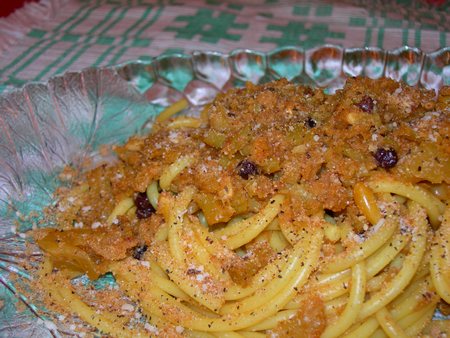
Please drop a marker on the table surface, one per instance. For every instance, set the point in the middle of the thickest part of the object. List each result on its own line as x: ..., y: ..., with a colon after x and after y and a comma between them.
x: 55, y: 36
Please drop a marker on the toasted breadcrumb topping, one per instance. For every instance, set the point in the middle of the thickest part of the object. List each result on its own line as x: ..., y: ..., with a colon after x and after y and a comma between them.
x: 296, y: 141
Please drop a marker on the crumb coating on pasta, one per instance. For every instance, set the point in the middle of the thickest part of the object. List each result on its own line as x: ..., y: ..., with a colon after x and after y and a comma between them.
x: 268, y: 125
x: 253, y: 143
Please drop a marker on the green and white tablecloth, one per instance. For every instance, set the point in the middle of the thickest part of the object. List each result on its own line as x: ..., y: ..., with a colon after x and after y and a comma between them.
x: 55, y: 36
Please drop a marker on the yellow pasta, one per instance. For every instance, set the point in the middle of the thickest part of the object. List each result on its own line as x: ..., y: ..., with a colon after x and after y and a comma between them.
x: 388, y: 324
x: 435, y: 208
x: 280, y: 211
x: 63, y: 295
x: 332, y: 232
x: 153, y: 194
x: 273, y: 321
x: 420, y: 321
x: 277, y: 241
x: 239, y: 233
x: 365, y: 329
x: 366, y: 202
x: 373, y: 243
x: 249, y: 334
x: 440, y: 258
x: 274, y: 287
x: 121, y: 208
x: 354, y: 304
x: 264, y: 276
x: 237, y: 320
x: 174, y: 169
x: 395, y: 286
x: 172, y: 110
x: 184, y: 122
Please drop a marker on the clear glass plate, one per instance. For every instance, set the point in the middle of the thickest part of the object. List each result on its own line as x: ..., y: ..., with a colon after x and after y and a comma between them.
x: 44, y: 127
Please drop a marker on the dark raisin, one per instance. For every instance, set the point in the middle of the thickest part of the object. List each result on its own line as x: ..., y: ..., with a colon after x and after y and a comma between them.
x: 144, y: 209
x: 138, y: 251
x: 144, y: 213
x: 366, y: 104
x: 246, y: 168
x: 311, y: 123
x: 386, y: 158
x: 141, y: 200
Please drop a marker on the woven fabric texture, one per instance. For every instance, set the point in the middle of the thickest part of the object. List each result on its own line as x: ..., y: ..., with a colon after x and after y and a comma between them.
x: 56, y: 36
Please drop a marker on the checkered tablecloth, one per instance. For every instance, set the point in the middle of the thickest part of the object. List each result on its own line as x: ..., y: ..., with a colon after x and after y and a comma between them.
x: 55, y: 36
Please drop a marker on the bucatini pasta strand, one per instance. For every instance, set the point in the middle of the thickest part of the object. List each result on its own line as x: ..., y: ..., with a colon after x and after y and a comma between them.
x: 273, y: 210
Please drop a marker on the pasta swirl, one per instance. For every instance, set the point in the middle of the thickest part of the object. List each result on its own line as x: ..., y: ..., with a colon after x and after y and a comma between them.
x: 279, y: 210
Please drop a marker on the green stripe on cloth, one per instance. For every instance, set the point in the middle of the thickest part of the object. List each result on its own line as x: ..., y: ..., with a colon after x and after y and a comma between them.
x: 136, y: 24
x: 39, y: 51
x: 368, y: 37
x: 442, y: 40
x: 87, y: 46
x: 115, y: 21
x: 38, y: 43
x: 405, y: 36
x: 380, y: 37
x: 151, y: 22
x: 103, y: 56
x: 418, y: 37
x: 115, y: 59
x: 86, y: 32
x: 209, y: 27
x: 84, y: 45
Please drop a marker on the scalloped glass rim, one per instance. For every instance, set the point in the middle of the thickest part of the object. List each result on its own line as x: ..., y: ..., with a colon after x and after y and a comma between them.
x: 47, y: 126
x: 324, y: 66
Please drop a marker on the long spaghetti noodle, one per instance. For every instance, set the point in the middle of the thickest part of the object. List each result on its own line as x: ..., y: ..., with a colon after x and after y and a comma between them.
x: 280, y: 211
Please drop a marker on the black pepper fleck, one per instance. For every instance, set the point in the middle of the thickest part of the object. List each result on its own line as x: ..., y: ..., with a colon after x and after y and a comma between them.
x: 192, y: 271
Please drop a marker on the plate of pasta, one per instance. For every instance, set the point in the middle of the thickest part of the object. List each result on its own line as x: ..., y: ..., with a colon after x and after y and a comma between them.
x: 285, y: 194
